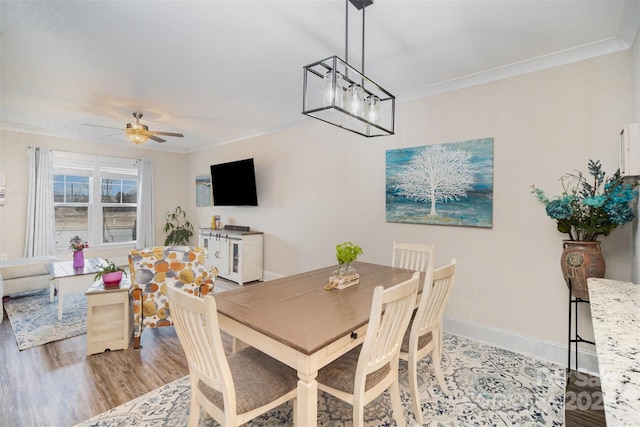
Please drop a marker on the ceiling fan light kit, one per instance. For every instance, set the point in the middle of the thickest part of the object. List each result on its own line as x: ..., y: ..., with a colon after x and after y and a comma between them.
x: 136, y: 132
x: 337, y: 93
x: 137, y: 138
x: 139, y: 133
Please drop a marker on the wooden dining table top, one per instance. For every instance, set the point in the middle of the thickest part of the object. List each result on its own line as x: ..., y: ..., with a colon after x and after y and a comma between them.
x: 297, y: 311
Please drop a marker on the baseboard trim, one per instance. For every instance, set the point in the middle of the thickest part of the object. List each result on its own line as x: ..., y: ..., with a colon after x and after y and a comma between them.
x: 269, y: 275
x: 540, y: 349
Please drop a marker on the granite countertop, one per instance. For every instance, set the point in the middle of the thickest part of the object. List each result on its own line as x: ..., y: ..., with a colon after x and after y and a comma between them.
x: 615, y: 310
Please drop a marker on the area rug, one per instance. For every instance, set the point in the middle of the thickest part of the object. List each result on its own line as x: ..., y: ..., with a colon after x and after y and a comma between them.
x: 488, y: 387
x: 35, y: 320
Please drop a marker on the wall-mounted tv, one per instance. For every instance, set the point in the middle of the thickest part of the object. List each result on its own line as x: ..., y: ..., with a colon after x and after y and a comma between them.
x: 234, y: 183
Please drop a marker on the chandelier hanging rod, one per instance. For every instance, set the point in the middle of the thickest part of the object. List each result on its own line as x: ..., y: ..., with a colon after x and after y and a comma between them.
x: 346, y: 31
x: 360, y: 5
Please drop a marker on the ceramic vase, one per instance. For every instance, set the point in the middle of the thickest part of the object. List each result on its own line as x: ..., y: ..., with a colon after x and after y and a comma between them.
x: 112, y: 279
x: 579, y: 261
x: 78, y: 259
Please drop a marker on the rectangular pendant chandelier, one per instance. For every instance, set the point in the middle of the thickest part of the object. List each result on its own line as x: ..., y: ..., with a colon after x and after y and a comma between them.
x: 337, y: 93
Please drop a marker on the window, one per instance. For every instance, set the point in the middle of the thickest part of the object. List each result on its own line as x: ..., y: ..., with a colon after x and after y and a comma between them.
x: 95, y: 197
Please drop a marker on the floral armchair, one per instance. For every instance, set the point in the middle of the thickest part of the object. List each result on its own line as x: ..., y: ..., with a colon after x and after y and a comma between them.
x: 152, y: 270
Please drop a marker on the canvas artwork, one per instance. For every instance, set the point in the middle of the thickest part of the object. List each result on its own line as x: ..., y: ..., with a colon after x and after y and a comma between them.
x: 446, y: 184
x: 204, y: 196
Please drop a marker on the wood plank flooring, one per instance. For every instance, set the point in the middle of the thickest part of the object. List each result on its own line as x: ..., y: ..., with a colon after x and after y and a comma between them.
x: 583, y: 403
x: 58, y: 385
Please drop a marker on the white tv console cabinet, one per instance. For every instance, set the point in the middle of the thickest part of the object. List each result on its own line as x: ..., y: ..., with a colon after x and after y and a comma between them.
x: 236, y: 254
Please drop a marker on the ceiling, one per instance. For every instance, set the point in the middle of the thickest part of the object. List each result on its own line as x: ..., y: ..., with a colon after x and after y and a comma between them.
x: 222, y: 71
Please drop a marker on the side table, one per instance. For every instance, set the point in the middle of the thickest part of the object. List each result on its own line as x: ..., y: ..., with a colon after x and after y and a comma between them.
x: 109, y: 317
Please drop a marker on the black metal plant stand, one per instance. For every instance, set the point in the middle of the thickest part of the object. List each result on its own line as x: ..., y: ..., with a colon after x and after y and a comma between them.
x: 574, y: 335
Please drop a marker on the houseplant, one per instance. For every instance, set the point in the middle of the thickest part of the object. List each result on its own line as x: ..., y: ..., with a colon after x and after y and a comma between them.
x: 76, y: 244
x: 590, y: 207
x: 346, y: 253
x: 110, y: 273
x: 178, y: 227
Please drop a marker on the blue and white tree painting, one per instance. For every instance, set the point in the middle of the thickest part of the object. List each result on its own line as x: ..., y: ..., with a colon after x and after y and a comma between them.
x: 449, y: 184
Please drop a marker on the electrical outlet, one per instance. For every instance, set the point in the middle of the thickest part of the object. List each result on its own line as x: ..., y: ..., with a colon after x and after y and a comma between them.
x: 4, y: 257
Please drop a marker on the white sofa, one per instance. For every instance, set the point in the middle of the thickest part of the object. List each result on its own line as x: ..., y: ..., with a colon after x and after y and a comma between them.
x: 24, y: 275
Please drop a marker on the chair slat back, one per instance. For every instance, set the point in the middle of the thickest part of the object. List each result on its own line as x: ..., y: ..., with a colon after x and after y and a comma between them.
x: 196, y: 323
x: 435, y: 295
x: 412, y: 256
x: 390, y: 315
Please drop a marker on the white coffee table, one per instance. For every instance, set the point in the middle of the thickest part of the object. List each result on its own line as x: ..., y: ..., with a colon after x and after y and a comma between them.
x: 69, y: 280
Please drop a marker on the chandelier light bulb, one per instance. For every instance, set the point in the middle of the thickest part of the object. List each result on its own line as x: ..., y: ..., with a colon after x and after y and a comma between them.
x: 373, y: 104
x: 356, y: 100
x: 328, y: 88
x: 333, y: 97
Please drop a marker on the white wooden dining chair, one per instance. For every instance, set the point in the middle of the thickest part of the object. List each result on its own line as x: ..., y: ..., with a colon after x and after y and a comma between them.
x: 365, y: 372
x: 424, y: 334
x: 234, y: 389
x: 412, y: 256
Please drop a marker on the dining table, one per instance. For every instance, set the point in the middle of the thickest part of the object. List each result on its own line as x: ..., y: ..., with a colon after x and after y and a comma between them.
x: 296, y: 321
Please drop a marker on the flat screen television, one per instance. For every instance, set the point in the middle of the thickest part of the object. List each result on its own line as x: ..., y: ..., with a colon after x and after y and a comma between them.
x: 234, y: 183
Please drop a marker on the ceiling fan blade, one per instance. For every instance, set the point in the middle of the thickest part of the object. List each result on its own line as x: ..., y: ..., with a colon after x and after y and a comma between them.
x: 99, y: 126
x: 155, y: 138
x: 154, y: 132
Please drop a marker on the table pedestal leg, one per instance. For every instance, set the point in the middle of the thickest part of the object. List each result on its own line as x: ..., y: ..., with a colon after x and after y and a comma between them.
x: 306, y: 412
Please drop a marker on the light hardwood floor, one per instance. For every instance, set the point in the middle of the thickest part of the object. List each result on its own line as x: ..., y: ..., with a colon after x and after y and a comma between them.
x: 58, y: 385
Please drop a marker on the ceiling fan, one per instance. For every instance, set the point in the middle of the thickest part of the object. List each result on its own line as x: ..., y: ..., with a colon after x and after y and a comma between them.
x: 139, y: 133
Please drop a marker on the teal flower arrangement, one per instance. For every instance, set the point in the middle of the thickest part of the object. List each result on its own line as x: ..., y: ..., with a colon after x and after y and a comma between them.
x: 590, y: 206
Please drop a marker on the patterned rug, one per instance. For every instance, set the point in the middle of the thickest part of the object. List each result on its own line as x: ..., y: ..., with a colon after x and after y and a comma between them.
x: 35, y: 320
x: 488, y: 387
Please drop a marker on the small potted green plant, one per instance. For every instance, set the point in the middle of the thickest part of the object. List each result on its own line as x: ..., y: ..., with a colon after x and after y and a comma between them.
x: 110, y: 274
x: 346, y: 253
x: 179, y: 228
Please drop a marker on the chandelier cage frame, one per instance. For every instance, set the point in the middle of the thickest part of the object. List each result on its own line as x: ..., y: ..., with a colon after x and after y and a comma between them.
x: 337, y: 93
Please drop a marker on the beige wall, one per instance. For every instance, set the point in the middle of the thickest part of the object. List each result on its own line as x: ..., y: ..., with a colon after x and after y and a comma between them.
x: 319, y: 185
